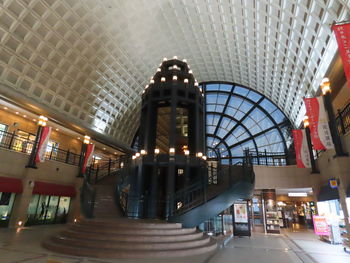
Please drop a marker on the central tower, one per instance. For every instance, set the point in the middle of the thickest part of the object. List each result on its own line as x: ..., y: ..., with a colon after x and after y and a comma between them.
x: 171, y: 142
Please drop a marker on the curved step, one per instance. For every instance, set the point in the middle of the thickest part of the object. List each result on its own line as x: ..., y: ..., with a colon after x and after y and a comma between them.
x: 113, y: 253
x: 129, y: 230
x: 146, y: 224
x: 61, y: 239
x: 130, y: 238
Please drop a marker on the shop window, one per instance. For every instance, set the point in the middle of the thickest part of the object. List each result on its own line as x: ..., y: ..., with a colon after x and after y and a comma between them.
x: 51, y: 150
x: 3, y: 129
x: 45, y: 209
x: 24, y: 142
x: 6, y: 204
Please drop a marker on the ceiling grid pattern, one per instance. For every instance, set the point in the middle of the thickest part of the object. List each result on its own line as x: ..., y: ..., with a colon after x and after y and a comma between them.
x: 91, y: 59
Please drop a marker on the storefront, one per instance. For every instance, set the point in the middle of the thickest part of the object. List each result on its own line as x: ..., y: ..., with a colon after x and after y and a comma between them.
x: 9, y: 187
x: 50, y: 204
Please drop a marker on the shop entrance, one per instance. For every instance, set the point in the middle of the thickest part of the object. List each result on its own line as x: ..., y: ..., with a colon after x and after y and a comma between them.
x: 6, y: 204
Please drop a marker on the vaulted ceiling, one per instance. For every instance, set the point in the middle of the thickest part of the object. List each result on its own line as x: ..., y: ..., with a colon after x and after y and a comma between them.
x: 89, y: 60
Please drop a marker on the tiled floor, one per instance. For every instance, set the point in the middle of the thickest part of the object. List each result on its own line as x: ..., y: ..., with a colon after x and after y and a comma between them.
x: 23, y: 246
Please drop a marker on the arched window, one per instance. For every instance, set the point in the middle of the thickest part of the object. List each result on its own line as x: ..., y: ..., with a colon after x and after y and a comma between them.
x: 238, y: 118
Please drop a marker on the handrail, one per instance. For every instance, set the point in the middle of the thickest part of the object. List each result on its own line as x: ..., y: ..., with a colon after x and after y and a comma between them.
x: 343, y: 119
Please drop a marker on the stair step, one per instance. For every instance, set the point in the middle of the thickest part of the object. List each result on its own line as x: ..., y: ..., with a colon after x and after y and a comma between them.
x: 120, y: 253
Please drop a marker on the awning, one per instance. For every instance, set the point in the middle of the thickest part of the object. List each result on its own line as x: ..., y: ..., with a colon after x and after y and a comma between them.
x: 43, y: 188
x: 327, y: 193
x: 10, y: 185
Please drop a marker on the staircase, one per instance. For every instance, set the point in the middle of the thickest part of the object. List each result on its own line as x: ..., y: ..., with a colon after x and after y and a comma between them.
x: 128, y: 238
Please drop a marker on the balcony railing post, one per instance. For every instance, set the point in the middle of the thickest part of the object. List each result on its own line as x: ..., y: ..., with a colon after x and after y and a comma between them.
x: 51, y: 152
x: 11, y: 139
x: 265, y: 156
x: 109, y: 166
x: 67, y: 156
x: 341, y: 122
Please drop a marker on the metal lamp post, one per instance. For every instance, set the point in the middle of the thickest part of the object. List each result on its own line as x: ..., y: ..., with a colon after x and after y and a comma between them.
x: 86, y: 141
x: 41, y: 123
x: 309, y: 144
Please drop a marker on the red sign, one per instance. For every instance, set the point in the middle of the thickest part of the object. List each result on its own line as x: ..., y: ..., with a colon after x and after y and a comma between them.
x: 342, y: 34
x: 43, y: 141
x: 88, y: 156
x: 320, y: 134
x: 301, y: 149
x: 320, y: 226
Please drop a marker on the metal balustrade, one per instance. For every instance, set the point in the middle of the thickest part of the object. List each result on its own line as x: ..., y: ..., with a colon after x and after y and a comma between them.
x: 343, y: 120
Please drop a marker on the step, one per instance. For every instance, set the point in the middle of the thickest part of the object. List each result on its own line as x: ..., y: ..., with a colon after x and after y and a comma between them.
x: 130, y: 238
x: 130, y: 230
x: 61, y: 239
x: 113, y: 253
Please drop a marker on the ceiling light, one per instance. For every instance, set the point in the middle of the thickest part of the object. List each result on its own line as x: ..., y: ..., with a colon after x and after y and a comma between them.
x: 17, y: 112
x: 57, y: 129
x: 25, y: 116
x: 5, y: 108
x: 297, y: 194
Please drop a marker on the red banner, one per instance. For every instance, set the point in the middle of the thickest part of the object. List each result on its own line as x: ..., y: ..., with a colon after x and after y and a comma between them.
x: 88, y: 156
x: 301, y: 149
x: 42, y: 145
x: 319, y: 128
x: 342, y: 34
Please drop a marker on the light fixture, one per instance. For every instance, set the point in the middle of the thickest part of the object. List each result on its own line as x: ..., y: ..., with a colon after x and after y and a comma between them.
x: 152, y: 81
x: 57, y: 129
x: 174, y: 57
x: 143, y: 152
x: 159, y: 70
x: 306, y: 121
x: 103, y: 148
x: 133, y: 157
x: 24, y: 116
x: 184, y: 60
x: 174, y: 77
x: 325, y: 86
x: 186, y: 80
x: 162, y: 79
x: 75, y: 220
x: 137, y: 155
x: 186, y: 152
x: 86, y: 139
x: 190, y: 71
x: 165, y: 59
x: 17, y: 112
x: 78, y: 138
x: 34, y: 119
x: 19, y: 223
x: 42, y: 121
x: 5, y: 108
x: 146, y: 86
x: 172, y: 150
x: 303, y: 194
x: 199, y: 154
x: 175, y: 67
x: 204, y: 157
x: 200, y: 89
x: 196, y: 83
x: 156, y: 151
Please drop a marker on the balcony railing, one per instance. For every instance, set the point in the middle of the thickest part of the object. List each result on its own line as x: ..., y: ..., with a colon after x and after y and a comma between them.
x: 14, y: 142
x: 343, y: 120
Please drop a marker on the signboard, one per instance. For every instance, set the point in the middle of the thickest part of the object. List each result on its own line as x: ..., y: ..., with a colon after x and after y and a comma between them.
x: 319, y: 128
x: 333, y: 183
x: 320, y: 226
x: 342, y: 34
x: 301, y: 149
x: 241, y: 224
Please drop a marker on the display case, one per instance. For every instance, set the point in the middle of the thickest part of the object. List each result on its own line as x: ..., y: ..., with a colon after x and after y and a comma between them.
x: 272, y: 223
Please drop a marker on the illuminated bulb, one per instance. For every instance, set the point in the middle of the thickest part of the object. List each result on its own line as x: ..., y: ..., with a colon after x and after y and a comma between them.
x: 25, y: 116
x: 34, y: 119
x: 190, y: 71
x: 17, y: 112
x: 57, y: 129
x: 143, y: 152
x: 146, y: 87
x: 20, y: 223
x: 115, y: 152
x: 165, y: 59
x: 156, y: 151
x: 121, y: 165
x: 184, y: 60
x: 186, y: 80
x: 104, y: 149
x: 199, y: 154
x: 5, y: 108
x: 172, y: 150
x: 133, y: 157
x: 306, y: 121
x: 75, y: 220
x: 175, y: 77
x: 137, y: 155
x: 175, y: 67
x: 159, y: 70
x: 204, y: 157
x: 186, y: 152
x: 143, y: 91
x: 196, y: 84
x: 174, y: 57
x: 325, y: 86
x: 87, y: 139
x: 200, y: 89
x: 78, y: 138
x: 162, y: 79
x: 152, y: 81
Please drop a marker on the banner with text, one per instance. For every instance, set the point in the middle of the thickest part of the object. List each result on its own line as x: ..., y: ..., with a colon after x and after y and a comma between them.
x: 42, y: 145
x: 319, y: 128
x: 342, y: 34
x: 88, y: 156
x: 301, y: 149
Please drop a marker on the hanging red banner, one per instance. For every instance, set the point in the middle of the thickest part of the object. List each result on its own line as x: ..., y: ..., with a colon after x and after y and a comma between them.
x: 301, y: 149
x: 88, y: 156
x: 319, y: 127
x: 342, y: 34
x: 42, y: 145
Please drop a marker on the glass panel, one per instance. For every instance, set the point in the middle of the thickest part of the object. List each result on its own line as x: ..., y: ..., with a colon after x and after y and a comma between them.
x: 6, y: 204
x: 253, y: 96
x: 3, y: 128
x: 163, y: 129
x: 63, y: 209
x: 226, y: 87
x: 212, y: 87
x: 51, y: 209
x: 268, y: 105
x: 241, y: 91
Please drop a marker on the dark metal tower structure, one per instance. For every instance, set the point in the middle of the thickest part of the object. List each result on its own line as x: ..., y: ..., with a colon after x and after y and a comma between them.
x: 172, y: 141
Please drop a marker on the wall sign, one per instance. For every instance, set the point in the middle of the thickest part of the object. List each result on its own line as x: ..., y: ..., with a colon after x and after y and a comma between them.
x: 320, y: 226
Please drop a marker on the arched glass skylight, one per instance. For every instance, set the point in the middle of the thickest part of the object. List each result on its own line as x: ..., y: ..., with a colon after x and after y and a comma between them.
x: 238, y: 118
